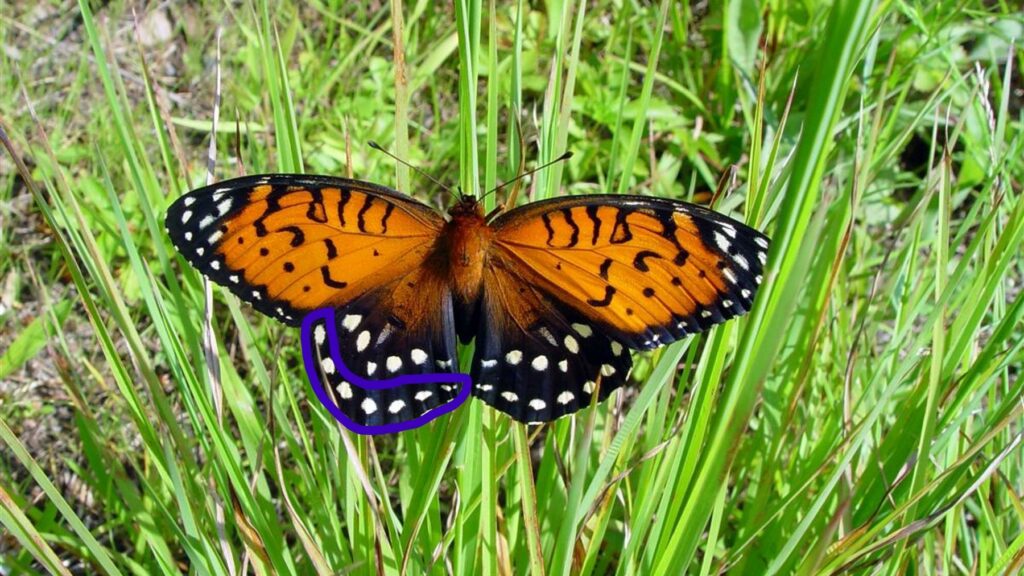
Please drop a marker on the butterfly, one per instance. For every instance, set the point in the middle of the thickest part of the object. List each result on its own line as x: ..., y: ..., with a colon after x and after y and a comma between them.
x: 553, y: 293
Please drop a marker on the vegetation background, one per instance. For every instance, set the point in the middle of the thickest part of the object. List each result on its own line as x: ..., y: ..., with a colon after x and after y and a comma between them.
x: 866, y: 417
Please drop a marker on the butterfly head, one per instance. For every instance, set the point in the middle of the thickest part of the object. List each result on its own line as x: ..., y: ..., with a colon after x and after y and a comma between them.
x: 467, y: 207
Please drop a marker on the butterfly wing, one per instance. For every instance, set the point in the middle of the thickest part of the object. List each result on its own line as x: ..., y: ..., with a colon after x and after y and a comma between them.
x: 292, y: 244
x: 371, y: 406
x: 571, y: 282
x: 289, y: 244
x: 535, y: 359
x: 645, y: 271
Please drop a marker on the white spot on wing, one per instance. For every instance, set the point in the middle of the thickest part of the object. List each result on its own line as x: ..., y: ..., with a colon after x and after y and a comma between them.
x: 761, y: 242
x: 188, y: 236
x: 214, y: 237
x: 488, y: 363
x: 328, y: 365
x: 256, y: 295
x: 563, y: 365
x: 484, y: 387
x: 540, y: 363
x: 565, y: 397
x: 742, y: 261
x: 351, y: 321
x: 510, y: 396
x: 583, y: 330
x: 728, y: 229
x: 705, y: 313
x: 345, y: 390
x: 234, y: 280
x: 443, y: 364
x: 745, y: 293
x: 363, y: 340
x: 723, y: 243
x: 423, y: 395
x: 200, y: 250
x: 396, y: 406
x: 190, y: 200
x: 762, y: 258
x: 186, y: 216
x: 571, y: 344
x: 206, y: 221
x: 319, y: 335
x: 368, y: 405
x: 547, y: 335
x: 215, y: 264
x: 514, y: 357
x: 607, y: 370
x: 394, y: 363
x: 371, y: 367
x: 418, y: 356
x: 729, y: 275
x: 224, y: 206
x: 538, y: 404
x: 588, y: 386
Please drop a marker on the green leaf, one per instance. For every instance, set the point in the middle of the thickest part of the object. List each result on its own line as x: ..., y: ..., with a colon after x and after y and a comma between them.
x: 32, y: 339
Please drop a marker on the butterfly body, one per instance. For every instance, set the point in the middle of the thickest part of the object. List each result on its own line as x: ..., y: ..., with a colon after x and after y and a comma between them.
x: 465, y: 245
x: 554, y: 293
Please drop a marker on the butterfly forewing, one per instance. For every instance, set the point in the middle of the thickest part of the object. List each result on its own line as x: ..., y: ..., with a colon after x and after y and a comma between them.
x: 290, y: 244
x: 645, y: 271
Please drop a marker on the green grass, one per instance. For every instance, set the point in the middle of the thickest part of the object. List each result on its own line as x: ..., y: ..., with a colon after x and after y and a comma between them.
x: 865, y: 417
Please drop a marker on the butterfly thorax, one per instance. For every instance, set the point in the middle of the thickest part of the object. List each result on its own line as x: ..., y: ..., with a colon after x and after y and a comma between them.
x: 467, y: 239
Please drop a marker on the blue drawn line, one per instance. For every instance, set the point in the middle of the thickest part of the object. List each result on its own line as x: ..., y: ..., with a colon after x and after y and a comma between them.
x: 326, y: 315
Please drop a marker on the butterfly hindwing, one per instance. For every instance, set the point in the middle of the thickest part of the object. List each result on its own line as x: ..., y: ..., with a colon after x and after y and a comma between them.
x: 362, y: 405
x: 535, y: 359
x: 404, y: 327
x: 646, y: 271
x: 289, y: 244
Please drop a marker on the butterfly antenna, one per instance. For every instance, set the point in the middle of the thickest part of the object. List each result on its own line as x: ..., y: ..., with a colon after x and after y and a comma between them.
x: 565, y: 156
x: 423, y: 173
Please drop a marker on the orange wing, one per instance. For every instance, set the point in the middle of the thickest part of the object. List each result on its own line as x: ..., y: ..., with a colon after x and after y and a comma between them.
x: 646, y: 271
x: 290, y: 244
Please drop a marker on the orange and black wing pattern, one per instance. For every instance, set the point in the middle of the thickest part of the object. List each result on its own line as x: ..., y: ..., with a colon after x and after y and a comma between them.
x: 290, y: 244
x: 646, y: 271
x: 566, y: 286
x: 572, y: 282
